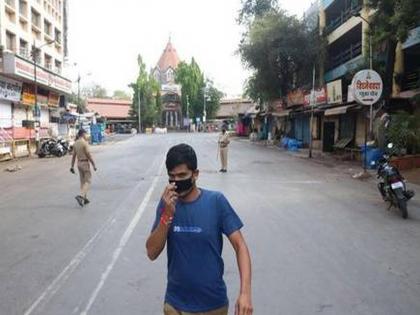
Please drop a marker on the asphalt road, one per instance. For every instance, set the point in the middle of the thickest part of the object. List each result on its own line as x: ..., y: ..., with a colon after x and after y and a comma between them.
x: 321, y: 242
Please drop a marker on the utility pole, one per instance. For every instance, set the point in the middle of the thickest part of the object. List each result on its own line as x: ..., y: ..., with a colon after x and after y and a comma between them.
x: 188, y: 113
x: 204, y: 108
x: 139, y: 109
x: 37, y: 110
x: 357, y: 14
x: 312, y: 102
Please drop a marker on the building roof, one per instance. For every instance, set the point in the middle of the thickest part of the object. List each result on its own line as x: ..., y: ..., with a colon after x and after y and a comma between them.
x: 109, y: 108
x: 169, y: 58
x: 234, y: 107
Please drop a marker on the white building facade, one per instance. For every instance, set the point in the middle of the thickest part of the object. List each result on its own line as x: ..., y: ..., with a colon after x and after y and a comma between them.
x: 33, y: 39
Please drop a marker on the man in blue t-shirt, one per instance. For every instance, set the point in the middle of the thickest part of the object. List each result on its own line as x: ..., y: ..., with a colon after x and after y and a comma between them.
x: 192, y: 222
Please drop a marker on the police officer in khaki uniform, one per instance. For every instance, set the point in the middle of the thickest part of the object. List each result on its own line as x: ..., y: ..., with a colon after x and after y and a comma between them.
x: 84, y: 159
x: 223, y: 149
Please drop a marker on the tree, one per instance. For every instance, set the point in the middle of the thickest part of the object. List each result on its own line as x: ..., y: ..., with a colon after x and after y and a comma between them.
x: 191, y: 79
x: 80, y: 102
x: 281, y: 51
x: 391, y: 22
x: 147, y: 90
x: 252, y: 9
x: 94, y: 91
x: 121, y: 95
x: 212, y: 98
x: 193, y: 87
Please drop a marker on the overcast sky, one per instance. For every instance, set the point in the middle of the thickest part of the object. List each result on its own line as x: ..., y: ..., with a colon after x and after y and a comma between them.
x: 105, y: 37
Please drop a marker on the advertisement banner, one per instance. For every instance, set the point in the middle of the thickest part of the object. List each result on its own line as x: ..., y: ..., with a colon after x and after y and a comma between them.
x: 295, y: 97
x: 335, y: 92
x: 19, y: 67
x: 367, y: 87
x: 53, y: 100
x: 10, y: 90
x: 320, y: 97
x: 28, y: 94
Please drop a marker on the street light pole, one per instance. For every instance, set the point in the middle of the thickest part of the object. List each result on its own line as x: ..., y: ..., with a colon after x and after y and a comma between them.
x: 78, y: 93
x: 357, y: 14
x: 37, y: 110
x: 188, y: 114
x: 139, y: 109
x: 312, y: 101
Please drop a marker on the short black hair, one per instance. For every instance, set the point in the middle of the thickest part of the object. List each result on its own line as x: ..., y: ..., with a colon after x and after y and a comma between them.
x: 81, y: 133
x: 181, y: 154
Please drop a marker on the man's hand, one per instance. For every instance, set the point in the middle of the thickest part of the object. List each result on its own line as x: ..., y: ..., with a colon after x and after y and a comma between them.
x: 72, y: 170
x: 170, y: 197
x: 244, y: 305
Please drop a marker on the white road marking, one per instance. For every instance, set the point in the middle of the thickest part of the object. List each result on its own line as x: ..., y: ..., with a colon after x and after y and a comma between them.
x: 69, y: 269
x: 123, y: 242
x: 60, y: 280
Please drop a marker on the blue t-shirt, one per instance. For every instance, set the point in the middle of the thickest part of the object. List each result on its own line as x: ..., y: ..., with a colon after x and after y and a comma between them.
x: 194, y: 248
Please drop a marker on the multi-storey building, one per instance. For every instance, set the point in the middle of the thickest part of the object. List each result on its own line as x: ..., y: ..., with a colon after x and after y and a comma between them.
x: 345, y: 23
x: 33, y: 38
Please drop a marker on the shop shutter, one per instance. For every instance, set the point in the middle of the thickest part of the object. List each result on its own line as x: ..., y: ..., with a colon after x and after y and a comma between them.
x: 5, y: 114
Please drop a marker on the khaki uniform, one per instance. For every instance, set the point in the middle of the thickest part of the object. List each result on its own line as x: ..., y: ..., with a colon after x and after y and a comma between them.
x: 81, y: 148
x: 169, y: 310
x: 223, y: 147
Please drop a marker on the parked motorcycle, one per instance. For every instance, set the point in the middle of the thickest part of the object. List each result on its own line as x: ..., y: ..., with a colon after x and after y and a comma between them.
x: 58, y: 148
x: 65, y: 146
x: 392, y: 184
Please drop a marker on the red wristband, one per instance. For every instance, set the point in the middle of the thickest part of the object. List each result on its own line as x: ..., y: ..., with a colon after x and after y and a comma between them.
x: 165, y: 219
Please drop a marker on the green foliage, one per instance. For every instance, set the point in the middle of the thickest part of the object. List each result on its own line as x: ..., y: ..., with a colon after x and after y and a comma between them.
x: 147, y: 90
x: 393, y: 19
x: 404, y: 132
x: 80, y: 102
x: 281, y: 51
x: 94, y: 91
x: 213, y: 97
x: 193, y: 84
x: 121, y: 95
x: 252, y: 9
x: 391, y: 22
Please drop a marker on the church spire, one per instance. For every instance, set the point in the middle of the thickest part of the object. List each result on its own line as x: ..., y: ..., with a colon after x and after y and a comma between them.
x: 169, y: 58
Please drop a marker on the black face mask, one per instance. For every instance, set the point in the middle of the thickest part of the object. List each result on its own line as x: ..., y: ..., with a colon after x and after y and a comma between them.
x: 182, y: 185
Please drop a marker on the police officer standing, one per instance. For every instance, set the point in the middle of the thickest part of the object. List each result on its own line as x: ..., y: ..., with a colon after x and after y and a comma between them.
x: 223, y: 149
x: 84, y: 159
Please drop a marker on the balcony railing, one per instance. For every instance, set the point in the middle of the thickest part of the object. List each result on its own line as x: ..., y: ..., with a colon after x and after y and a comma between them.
x: 352, y: 52
x: 411, y: 80
x: 343, y: 17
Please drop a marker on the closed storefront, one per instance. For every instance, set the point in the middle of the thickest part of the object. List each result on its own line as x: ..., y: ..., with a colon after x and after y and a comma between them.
x: 300, y: 129
x: 10, y: 92
x: 45, y: 118
x: 5, y: 114
x: 19, y: 114
x: 348, y: 126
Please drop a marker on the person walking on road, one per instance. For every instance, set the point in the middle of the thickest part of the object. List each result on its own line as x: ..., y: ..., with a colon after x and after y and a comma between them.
x: 223, y: 143
x: 84, y: 159
x: 191, y: 222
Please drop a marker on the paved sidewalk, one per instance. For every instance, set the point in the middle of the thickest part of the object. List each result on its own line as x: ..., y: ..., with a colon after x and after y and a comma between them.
x: 346, y: 167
